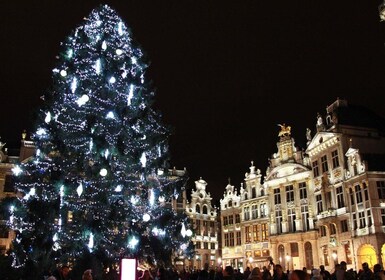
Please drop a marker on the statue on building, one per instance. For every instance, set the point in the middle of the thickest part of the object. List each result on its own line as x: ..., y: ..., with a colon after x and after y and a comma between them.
x: 285, y: 130
x: 308, y: 135
x: 320, y: 122
x: 1, y: 144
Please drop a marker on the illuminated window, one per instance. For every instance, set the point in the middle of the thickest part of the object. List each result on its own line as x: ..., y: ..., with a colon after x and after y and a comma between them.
x: 265, y: 232
x: 239, y: 238
x: 247, y: 234
x: 256, y: 230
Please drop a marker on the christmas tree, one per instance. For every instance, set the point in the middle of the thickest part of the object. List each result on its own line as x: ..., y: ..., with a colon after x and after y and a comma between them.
x: 98, y: 184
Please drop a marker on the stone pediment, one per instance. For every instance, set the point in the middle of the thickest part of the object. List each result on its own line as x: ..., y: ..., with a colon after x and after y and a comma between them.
x: 319, y: 139
x: 285, y: 170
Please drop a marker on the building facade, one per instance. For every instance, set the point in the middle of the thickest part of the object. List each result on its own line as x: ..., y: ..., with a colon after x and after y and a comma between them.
x: 324, y: 204
x: 203, y: 216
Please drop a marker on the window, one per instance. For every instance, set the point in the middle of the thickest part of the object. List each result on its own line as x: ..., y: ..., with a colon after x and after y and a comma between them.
x: 291, y: 219
x: 239, y: 238
x: 358, y: 194
x: 212, y: 246
x: 204, y: 209
x: 289, y: 193
x: 354, y: 221
x: 336, y: 162
x: 383, y: 216
x: 206, y: 244
x: 366, y: 193
x: 278, y: 221
x: 315, y: 169
x: 254, y: 211
x: 381, y: 189
x: 231, y: 220
x: 265, y: 232
x: 277, y: 196
x: 246, y: 213
x: 369, y: 217
x: 225, y: 221
x: 226, y: 240
x: 231, y: 239
x: 256, y: 230
x: 351, y: 194
x: 198, y: 226
x: 344, y: 226
x: 263, y: 210
x: 247, y: 234
x: 237, y: 218
x: 294, y: 249
x: 230, y: 203
x: 322, y: 231
x: 302, y: 190
x: 198, y: 245
x: 319, y: 203
x: 333, y: 229
x: 340, y: 197
x: 305, y: 218
x: 324, y: 164
x: 197, y: 209
x: 253, y: 192
x: 262, y: 191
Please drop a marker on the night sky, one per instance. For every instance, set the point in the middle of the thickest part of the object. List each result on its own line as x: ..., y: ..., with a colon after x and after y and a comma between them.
x: 225, y: 73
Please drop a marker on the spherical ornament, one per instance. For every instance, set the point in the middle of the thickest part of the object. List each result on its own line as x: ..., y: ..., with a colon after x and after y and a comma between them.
x: 188, y: 232
x: 119, y: 51
x: 103, y: 172
x: 63, y: 73
x: 112, y: 80
x: 146, y: 217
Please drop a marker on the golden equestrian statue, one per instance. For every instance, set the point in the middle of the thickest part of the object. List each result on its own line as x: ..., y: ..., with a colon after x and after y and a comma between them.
x: 285, y: 130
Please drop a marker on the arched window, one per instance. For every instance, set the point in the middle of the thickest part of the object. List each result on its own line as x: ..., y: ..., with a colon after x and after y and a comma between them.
x: 262, y: 191
x: 204, y: 209
x: 230, y: 203
x: 245, y: 196
x: 253, y: 192
x: 197, y: 208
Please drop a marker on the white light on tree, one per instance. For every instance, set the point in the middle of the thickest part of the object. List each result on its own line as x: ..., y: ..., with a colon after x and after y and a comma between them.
x: 55, y: 238
x: 63, y: 73
x: 143, y: 159
x: 146, y: 217
x: 183, y: 247
x: 41, y: 131
x: 134, y: 200
x: 112, y: 80
x: 91, y: 242
x: 103, y: 172
x: 47, y: 117
x: 118, y: 188
x: 32, y: 192
x: 152, y: 197
x: 17, y: 170
x: 183, y: 231
x: 161, y: 198
x: 133, y: 60
x: 91, y: 145
x: 133, y: 242
x: 104, y: 45
x: 74, y: 84
x: 106, y: 153
x: 119, y: 51
x: 83, y: 100
x: 79, y: 190
x: 120, y: 28
x: 70, y: 53
x: 110, y: 115
x: 98, y: 66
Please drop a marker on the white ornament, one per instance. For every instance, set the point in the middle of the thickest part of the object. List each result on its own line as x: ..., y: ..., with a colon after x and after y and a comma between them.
x: 61, y: 191
x: 55, y: 238
x: 130, y: 95
x: 133, y: 242
x: 79, y: 190
x: 47, y: 117
x: 119, y: 51
x: 143, y: 160
x: 104, y: 45
x: 70, y: 52
x: 97, y: 66
x: 83, y: 100
x: 91, y: 144
x: 63, y: 73
x: 120, y: 28
x: 103, y: 172
x: 91, y: 242
x: 188, y: 232
x: 183, y: 231
x: 32, y: 191
x: 152, y: 197
x: 146, y: 217
x: 110, y: 115
x: 106, y: 153
x: 41, y: 131
x: 16, y: 170
x: 74, y: 85
x: 118, y: 188
x: 112, y: 80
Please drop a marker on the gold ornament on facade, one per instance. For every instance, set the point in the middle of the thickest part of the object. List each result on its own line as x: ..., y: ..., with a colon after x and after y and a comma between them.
x: 285, y: 130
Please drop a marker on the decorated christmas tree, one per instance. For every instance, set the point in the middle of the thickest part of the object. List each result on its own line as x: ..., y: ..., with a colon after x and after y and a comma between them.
x: 98, y: 185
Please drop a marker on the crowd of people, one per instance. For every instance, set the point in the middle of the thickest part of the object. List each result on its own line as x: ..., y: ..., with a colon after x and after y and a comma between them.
x: 229, y: 273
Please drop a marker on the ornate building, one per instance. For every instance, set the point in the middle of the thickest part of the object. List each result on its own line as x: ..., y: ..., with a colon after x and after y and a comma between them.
x: 203, y: 216
x: 324, y: 205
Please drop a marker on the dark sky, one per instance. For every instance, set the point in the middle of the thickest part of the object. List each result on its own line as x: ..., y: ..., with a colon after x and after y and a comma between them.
x: 225, y: 72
